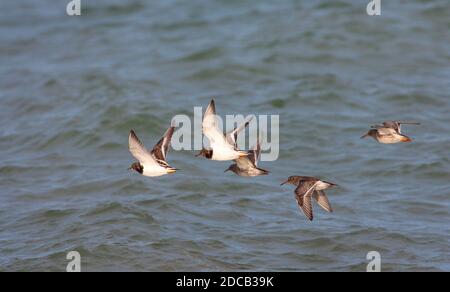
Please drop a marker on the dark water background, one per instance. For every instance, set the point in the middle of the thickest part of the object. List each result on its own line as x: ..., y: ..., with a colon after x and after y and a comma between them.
x: 72, y: 87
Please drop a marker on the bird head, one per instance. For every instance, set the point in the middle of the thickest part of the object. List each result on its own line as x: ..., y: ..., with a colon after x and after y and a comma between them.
x: 137, y: 167
x: 205, y: 153
x: 371, y: 133
x: 294, y: 180
x: 232, y: 168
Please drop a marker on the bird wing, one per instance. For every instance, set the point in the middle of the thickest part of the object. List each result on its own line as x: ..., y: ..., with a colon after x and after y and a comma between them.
x: 305, y: 204
x: 393, y: 125
x: 210, y: 125
x: 408, y: 123
x: 400, y: 123
x: 244, y: 163
x: 159, y: 152
x: 255, y: 154
x: 232, y: 135
x: 250, y: 161
x: 303, y: 196
x: 322, y: 200
x: 138, y: 150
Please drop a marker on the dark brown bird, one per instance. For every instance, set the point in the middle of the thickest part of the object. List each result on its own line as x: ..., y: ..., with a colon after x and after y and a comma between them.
x: 308, y: 188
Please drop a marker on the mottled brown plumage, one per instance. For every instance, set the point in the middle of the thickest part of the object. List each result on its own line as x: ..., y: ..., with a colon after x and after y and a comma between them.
x: 308, y: 188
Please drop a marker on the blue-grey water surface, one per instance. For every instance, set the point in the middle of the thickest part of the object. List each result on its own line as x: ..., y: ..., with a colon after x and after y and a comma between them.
x: 72, y: 87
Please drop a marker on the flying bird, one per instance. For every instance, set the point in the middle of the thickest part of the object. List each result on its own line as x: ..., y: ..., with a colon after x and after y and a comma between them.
x: 222, y: 146
x: 389, y: 132
x: 308, y: 188
x: 248, y: 165
x: 151, y: 164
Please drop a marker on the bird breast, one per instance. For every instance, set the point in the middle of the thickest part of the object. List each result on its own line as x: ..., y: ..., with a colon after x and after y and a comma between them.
x: 224, y: 152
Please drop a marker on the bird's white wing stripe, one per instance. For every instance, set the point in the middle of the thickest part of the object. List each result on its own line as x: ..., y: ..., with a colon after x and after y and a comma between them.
x: 311, y: 189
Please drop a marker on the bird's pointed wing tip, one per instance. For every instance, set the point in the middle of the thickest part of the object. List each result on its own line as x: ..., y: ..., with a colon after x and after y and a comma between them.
x: 211, y: 109
x: 133, y: 136
x: 212, y: 104
x: 170, y: 131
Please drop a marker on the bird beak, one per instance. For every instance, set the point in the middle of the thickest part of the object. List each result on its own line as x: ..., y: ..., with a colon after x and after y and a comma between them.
x: 243, y: 154
x: 226, y: 170
x: 284, y: 183
x: 366, y: 135
x: 172, y: 171
x: 199, y: 154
